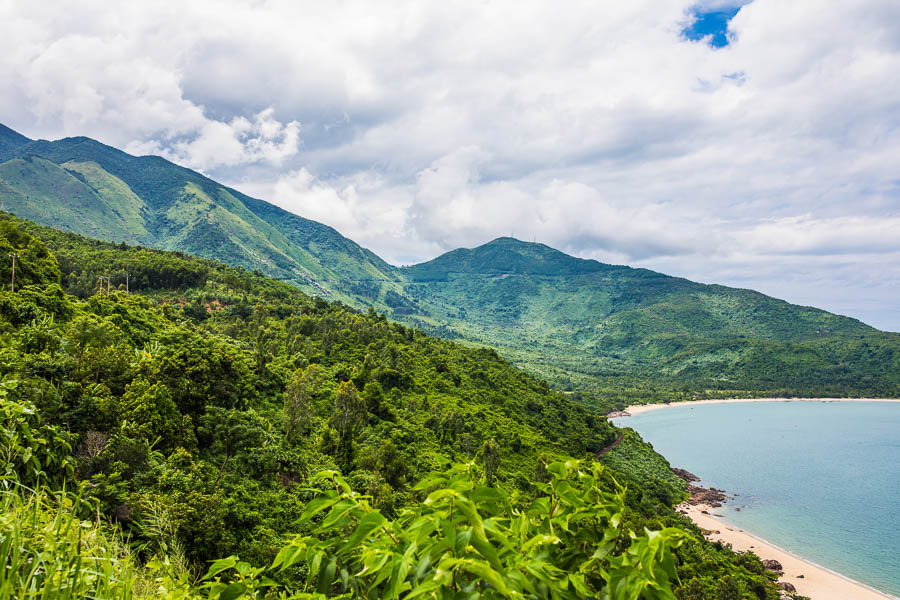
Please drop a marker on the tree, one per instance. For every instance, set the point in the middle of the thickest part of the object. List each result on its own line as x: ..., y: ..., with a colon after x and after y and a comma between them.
x: 230, y: 432
x: 149, y: 412
x: 373, y: 395
x: 299, y: 405
x: 728, y: 589
x: 491, y: 457
x: 349, y: 414
x: 89, y: 330
x: 387, y: 461
x: 201, y: 370
x: 34, y: 263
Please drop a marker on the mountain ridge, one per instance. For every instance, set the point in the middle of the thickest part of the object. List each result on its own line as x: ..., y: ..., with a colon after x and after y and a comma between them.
x: 185, y: 210
x: 579, y: 323
x: 514, y: 257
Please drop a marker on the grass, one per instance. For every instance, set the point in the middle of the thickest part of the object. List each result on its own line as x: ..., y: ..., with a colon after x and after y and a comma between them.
x: 54, y: 545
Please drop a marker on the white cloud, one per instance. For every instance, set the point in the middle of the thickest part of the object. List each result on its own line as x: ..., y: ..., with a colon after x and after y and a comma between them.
x: 118, y: 77
x: 211, y: 144
x: 593, y: 127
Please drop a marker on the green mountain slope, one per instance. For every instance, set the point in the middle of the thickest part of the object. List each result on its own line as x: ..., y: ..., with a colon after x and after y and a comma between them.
x: 86, y: 187
x: 632, y: 334
x: 72, y: 195
x: 10, y: 140
x: 582, y: 323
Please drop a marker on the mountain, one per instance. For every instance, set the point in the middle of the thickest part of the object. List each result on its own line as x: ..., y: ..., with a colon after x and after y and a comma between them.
x: 10, y: 140
x: 83, y: 186
x: 622, y: 333
x: 582, y: 323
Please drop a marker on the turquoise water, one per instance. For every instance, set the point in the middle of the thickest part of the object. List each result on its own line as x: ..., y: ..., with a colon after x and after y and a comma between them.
x: 820, y: 479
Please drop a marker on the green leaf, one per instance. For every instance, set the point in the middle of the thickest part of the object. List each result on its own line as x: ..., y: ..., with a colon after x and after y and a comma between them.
x: 220, y: 565
x: 471, y: 513
x: 483, y: 570
x: 540, y: 540
x: 441, y: 494
x: 317, y: 505
x: 326, y: 577
x: 338, y: 513
x: 233, y: 591
x: 367, y: 525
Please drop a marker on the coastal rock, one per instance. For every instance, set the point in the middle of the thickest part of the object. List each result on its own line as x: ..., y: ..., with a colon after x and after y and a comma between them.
x: 618, y: 413
x: 773, y: 565
x: 787, y: 587
x: 709, y: 496
x: 800, y: 577
x: 686, y: 475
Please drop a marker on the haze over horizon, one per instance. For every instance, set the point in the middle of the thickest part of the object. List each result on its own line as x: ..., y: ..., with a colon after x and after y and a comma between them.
x: 747, y: 144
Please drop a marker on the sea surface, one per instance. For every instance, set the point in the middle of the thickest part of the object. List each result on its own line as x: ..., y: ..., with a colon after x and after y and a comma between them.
x: 819, y: 479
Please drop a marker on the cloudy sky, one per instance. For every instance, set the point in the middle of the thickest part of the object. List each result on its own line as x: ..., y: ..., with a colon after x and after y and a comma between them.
x: 750, y: 144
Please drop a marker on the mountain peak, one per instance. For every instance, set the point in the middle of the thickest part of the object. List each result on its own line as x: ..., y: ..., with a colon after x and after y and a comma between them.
x: 10, y: 141
x: 505, y: 256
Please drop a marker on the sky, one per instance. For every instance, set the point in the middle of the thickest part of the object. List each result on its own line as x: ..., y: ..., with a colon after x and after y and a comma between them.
x: 748, y: 144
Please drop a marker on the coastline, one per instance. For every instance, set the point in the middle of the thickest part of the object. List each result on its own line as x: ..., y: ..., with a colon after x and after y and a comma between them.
x: 642, y: 408
x: 817, y: 582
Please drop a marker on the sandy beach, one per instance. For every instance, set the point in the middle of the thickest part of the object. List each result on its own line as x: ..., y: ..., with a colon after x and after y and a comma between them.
x: 642, y: 408
x: 817, y: 582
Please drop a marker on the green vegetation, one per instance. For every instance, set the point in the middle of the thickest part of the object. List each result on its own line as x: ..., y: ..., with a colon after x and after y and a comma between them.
x: 82, y: 186
x: 614, y: 334
x: 186, y: 441
x: 626, y: 335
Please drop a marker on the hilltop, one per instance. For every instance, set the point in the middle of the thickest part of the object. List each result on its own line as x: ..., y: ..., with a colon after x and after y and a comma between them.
x: 636, y: 332
x: 80, y: 185
x: 617, y: 333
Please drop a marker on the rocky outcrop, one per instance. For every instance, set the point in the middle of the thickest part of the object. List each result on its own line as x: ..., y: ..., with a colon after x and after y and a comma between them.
x: 711, y: 497
x: 787, y: 587
x: 618, y: 413
x: 686, y: 475
x: 773, y: 565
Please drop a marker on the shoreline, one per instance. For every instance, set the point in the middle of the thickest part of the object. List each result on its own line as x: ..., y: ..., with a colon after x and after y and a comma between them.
x: 817, y: 582
x: 637, y: 409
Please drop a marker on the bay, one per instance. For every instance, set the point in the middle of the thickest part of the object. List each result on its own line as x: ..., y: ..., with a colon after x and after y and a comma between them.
x: 819, y: 479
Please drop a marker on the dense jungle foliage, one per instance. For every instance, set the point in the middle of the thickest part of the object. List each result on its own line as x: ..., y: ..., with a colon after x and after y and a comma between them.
x: 221, y: 434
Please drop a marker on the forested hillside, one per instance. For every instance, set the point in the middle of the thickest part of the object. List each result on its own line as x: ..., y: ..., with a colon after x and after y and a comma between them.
x: 207, y: 413
x: 635, y: 334
x: 611, y: 333
x: 83, y: 186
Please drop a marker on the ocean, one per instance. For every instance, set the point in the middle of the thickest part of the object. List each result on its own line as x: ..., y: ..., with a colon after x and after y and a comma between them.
x: 819, y: 479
